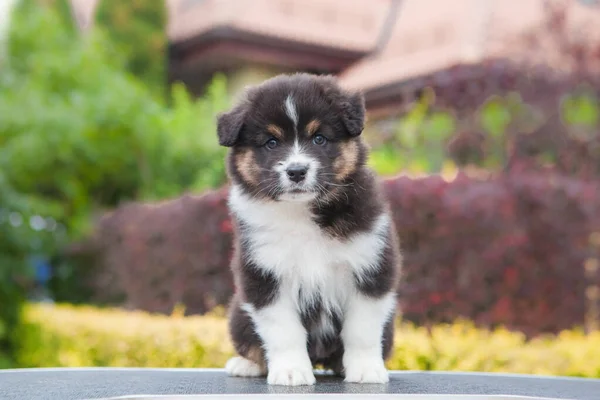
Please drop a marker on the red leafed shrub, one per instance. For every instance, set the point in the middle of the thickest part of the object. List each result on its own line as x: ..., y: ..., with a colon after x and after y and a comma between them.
x: 509, y: 250
x: 155, y: 256
x: 505, y: 251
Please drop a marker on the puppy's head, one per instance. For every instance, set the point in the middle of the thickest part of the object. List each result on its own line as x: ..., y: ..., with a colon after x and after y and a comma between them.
x: 294, y: 137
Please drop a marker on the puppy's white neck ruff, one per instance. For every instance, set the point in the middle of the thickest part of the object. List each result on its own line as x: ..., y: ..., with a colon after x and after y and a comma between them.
x: 284, y: 240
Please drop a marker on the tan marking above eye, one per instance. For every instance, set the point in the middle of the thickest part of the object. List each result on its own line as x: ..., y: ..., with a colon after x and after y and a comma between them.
x: 275, y: 131
x: 312, y: 127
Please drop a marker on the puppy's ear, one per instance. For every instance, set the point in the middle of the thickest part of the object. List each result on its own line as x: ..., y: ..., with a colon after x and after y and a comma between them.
x: 352, y: 106
x: 229, y: 125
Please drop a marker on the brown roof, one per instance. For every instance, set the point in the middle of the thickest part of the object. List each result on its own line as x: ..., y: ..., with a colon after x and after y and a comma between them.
x: 460, y: 32
x: 349, y: 24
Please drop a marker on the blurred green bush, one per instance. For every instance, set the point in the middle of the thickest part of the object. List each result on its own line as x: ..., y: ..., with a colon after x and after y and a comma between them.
x: 138, y: 29
x: 69, y: 336
x: 80, y: 134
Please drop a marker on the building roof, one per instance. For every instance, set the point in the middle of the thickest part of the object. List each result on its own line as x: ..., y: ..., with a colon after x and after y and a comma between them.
x: 351, y: 25
x: 464, y: 32
x: 427, y: 36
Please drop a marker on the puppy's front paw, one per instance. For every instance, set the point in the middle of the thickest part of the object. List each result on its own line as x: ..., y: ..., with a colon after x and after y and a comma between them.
x: 365, y: 370
x: 291, y: 369
x: 240, y: 366
x: 291, y: 376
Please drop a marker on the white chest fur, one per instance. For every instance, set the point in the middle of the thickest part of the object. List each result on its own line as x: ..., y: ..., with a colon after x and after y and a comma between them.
x: 285, y: 241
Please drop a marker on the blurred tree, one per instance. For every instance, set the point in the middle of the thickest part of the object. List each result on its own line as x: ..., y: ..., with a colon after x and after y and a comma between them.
x: 137, y: 28
x: 79, y: 134
x: 65, y: 12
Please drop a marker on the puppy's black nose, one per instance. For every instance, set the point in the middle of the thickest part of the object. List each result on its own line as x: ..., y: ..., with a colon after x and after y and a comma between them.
x: 296, y: 172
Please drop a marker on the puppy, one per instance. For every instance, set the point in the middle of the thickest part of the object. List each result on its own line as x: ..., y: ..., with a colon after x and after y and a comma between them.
x: 316, y: 256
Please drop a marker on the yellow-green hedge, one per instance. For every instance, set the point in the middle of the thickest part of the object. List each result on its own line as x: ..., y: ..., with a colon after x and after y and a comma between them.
x: 73, y: 336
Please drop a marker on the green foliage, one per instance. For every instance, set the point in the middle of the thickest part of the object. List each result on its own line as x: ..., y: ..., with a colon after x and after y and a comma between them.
x: 580, y: 109
x: 419, y: 142
x: 96, y: 127
x: 65, y: 12
x: 495, y: 117
x: 385, y: 160
x: 502, y: 118
x: 189, y: 156
x: 427, y: 138
x: 137, y: 28
x: 79, y: 134
x: 69, y: 109
x: 67, y: 336
x: 22, y: 231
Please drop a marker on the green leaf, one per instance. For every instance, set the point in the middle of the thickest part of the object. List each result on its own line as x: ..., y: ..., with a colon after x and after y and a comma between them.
x: 580, y: 110
x: 439, y: 126
x: 386, y: 161
x: 495, y: 117
x: 410, y: 124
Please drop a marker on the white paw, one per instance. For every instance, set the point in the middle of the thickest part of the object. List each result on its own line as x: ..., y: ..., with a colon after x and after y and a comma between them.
x: 240, y: 366
x: 365, y: 370
x: 291, y: 376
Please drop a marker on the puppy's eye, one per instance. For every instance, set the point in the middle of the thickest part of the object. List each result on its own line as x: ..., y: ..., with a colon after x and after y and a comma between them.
x: 319, y: 140
x: 271, y: 143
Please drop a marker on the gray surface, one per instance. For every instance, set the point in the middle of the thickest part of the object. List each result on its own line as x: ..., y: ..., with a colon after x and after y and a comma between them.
x: 97, y: 383
x: 329, y: 396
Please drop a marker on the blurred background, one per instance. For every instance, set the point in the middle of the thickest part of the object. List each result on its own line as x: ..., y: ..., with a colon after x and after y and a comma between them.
x: 483, y: 119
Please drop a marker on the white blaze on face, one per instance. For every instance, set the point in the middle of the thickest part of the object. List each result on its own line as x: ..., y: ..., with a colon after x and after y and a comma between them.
x: 290, y: 110
x: 297, y: 156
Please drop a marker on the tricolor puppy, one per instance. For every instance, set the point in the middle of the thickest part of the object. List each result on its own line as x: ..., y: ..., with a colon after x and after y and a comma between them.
x: 316, y: 258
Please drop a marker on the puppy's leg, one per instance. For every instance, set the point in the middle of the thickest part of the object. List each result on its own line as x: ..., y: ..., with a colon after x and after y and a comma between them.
x: 284, y: 337
x: 368, y: 327
x: 363, y: 335
x: 247, y: 343
x: 335, y: 361
x: 277, y: 323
